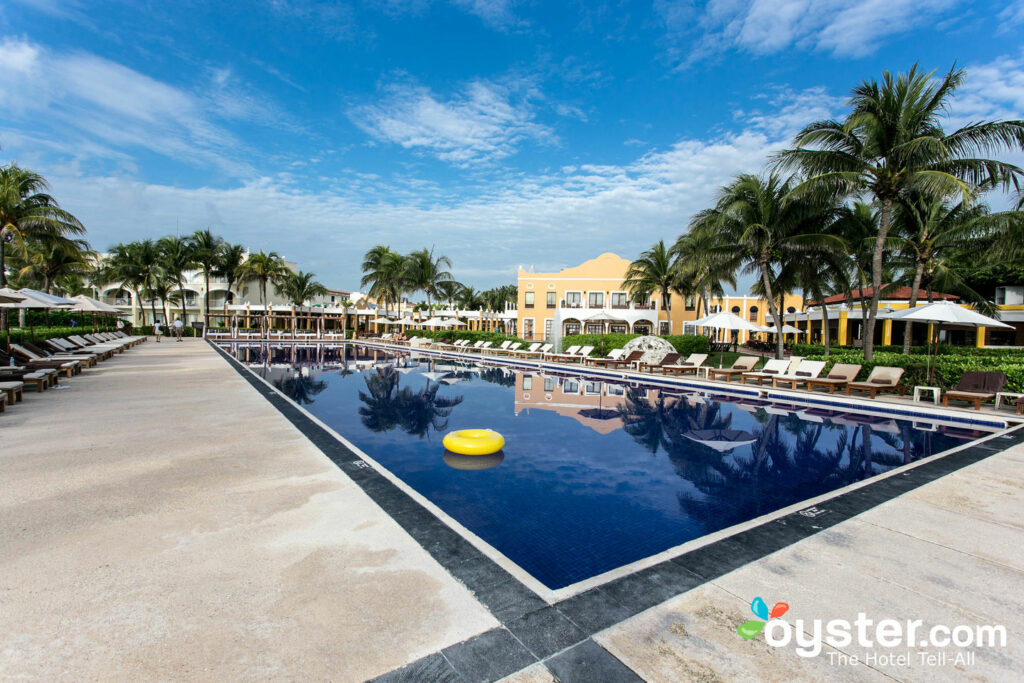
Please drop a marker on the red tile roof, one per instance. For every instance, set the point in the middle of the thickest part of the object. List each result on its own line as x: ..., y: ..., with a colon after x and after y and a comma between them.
x: 894, y: 294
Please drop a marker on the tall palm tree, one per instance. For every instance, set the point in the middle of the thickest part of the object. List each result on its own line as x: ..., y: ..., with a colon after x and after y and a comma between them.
x: 232, y: 256
x: 386, y: 275
x: 654, y: 271
x: 449, y: 291
x: 177, y: 257
x: 425, y: 273
x: 206, y: 251
x: 700, y: 272
x: 135, y: 266
x: 891, y: 144
x: 469, y: 299
x: 299, y: 287
x: 46, y: 258
x: 263, y: 268
x: 757, y: 227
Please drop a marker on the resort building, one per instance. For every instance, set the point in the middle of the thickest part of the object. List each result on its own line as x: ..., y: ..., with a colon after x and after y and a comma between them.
x: 589, y: 298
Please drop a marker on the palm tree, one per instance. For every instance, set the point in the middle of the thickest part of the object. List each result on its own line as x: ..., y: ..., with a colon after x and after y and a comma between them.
x: 425, y: 273
x: 299, y: 287
x: 263, y: 268
x: 892, y: 144
x: 177, y: 257
x: 232, y: 256
x: 48, y: 257
x: 448, y: 290
x: 135, y: 266
x: 206, y: 251
x: 386, y: 275
x: 699, y: 272
x: 926, y: 229
x: 757, y: 226
x: 470, y: 299
x: 654, y: 271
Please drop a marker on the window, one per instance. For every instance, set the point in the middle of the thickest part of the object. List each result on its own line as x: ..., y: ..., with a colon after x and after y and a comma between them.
x: 753, y: 314
x: 736, y: 309
x: 592, y: 388
x: 547, y: 328
x: 552, y: 299
x: 527, y: 383
x: 619, y: 300
x: 618, y: 328
x: 616, y: 390
x: 595, y: 299
x: 528, y: 300
x: 664, y: 326
x: 642, y: 328
x: 1000, y: 296
x: 790, y: 310
x: 549, y: 384
x: 691, y: 302
x: 574, y: 299
x: 571, y: 386
x: 528, y: 328
x: 572, y: 328
x: 595, y: 328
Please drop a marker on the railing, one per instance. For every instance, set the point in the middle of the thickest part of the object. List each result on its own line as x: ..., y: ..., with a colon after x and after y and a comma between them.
x: 621, y: 307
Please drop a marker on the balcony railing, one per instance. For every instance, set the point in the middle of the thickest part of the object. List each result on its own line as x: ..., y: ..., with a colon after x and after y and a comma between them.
x: 620, y: 307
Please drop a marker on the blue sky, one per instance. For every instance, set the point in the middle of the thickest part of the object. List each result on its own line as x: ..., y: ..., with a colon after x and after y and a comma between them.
x: 503, y: 133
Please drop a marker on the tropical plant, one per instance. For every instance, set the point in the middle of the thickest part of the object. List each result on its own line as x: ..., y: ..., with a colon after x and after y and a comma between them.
x: 264, y: 268
x: 892, y: 144
x: 757, y: 227
x: 653, y: 272
x: 232, y: 256
x: 469, y: 299
x: 47, y: 258
x: 385, y: 273
x: 299, y: 287
x: 176, y: 258
x: 449, y: 291
x: 135, y: 266
x: 699, y: 272
x: 425, y: 272
x: 206, y: 253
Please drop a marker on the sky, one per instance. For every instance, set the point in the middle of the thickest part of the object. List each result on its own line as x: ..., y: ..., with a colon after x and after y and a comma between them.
x: 502, y: 133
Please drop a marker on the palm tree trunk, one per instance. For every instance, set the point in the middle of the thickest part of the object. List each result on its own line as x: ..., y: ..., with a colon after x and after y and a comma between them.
x: 206, y: 299
x: 876, y: 278
x: 142, y: 309
x: 181, y: 291
x: 772, y: 308
x: 908, y: 326
x: 152, y: 307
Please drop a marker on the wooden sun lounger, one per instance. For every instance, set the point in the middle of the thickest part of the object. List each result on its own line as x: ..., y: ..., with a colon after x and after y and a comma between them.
x: 839, y: 376
x: 976, y: 387
x: 739, y: 366
x: 882, y: 378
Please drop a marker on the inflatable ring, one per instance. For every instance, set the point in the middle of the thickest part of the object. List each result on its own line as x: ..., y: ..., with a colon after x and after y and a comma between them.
x: 474, y: 441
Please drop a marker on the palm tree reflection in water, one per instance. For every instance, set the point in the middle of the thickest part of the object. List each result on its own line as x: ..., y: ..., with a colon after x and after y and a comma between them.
x: 300, y: 388
x: 388, y: 406
x: 789, y: 460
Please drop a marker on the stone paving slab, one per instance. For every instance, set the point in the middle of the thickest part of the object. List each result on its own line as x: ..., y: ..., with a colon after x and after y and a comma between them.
x: 946, y: 553
x: 159, y: 519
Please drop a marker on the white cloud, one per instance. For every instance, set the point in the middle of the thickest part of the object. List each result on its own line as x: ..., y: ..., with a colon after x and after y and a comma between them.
x: 495, y: 13
x: 846, y: 28
x: 790, y: 111
x: 484, y: 122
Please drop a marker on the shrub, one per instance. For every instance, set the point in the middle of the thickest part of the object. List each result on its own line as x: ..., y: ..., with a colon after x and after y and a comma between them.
x: 19, y: 334
x: 453, y: 335
x: 949, y: 366
x: 685, y: 344
x: 689, y: 343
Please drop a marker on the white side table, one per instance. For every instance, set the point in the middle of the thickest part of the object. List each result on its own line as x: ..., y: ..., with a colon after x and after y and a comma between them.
x: 704, y: 371
x: 918, y: 390
x: 1008, y: 396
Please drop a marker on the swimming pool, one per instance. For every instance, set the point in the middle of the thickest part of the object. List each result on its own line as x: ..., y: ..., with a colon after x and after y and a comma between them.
x: 595, y: 473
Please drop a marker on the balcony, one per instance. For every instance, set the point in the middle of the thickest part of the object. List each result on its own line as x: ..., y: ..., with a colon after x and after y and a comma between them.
x: 619, y: 307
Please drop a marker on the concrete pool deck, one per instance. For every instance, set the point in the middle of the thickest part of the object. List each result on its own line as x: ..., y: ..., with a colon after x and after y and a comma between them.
x: 161, y: 519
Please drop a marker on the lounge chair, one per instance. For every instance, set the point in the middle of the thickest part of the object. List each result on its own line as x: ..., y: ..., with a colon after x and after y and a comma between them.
x: 631, y: 359
x: 536, y: 350
x: 567, y: 357
x: 773, y: 368
x: 30, y: 352
x: 670, y: 358
x: 691, y: 364
x: 882, y: 378
x: 65, y: 346
x: 69, y: 368
x: 571, y: 351
x: 838, y: 377
x: 975, y: 387
x: 498, y: 349
x: 3, y: 401
x: 13, y: 391
x: 808, y: 369
x: 39, y: 379
x: 739, y: 366
x: 612, y: 355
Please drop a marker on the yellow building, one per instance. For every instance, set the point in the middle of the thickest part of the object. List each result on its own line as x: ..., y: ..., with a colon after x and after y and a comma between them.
x: 575, y: 300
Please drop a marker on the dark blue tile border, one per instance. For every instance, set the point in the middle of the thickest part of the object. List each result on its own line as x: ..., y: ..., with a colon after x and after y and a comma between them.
x: 559, y: 635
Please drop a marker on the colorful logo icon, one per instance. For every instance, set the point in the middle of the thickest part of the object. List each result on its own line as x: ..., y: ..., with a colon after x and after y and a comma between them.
x: 751, y: 628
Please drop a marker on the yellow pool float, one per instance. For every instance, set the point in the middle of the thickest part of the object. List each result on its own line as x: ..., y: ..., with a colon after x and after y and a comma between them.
x: 474, y: 441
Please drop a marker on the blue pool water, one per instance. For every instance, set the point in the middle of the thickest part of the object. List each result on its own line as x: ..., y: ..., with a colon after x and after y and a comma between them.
x: 594, y: 474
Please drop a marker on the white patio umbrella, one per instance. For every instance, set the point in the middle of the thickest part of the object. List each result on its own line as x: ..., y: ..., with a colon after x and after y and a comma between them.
x: 786, y: 329
x: 726, y: 321
x: 86, y: 304
x: 945, y: 313
x: 9, y: 296
x: 382, y: 321
x: 721, y: 439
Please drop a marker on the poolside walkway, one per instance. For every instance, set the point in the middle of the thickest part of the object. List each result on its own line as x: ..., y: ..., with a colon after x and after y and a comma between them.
x: 161, y: 519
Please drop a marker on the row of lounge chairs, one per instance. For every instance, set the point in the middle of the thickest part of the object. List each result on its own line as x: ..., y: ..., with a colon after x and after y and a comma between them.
x: 40, y: 366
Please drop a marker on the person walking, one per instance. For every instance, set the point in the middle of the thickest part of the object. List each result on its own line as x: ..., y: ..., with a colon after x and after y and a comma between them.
x: 157, y: 331
x: 179, y: 328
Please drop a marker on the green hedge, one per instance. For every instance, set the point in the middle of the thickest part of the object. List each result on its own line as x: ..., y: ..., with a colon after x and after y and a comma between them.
x: 949, y: 367
x: 454, y: 335
x: 816, y: 349
x: 685, y: 344
x: 20, y: 334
